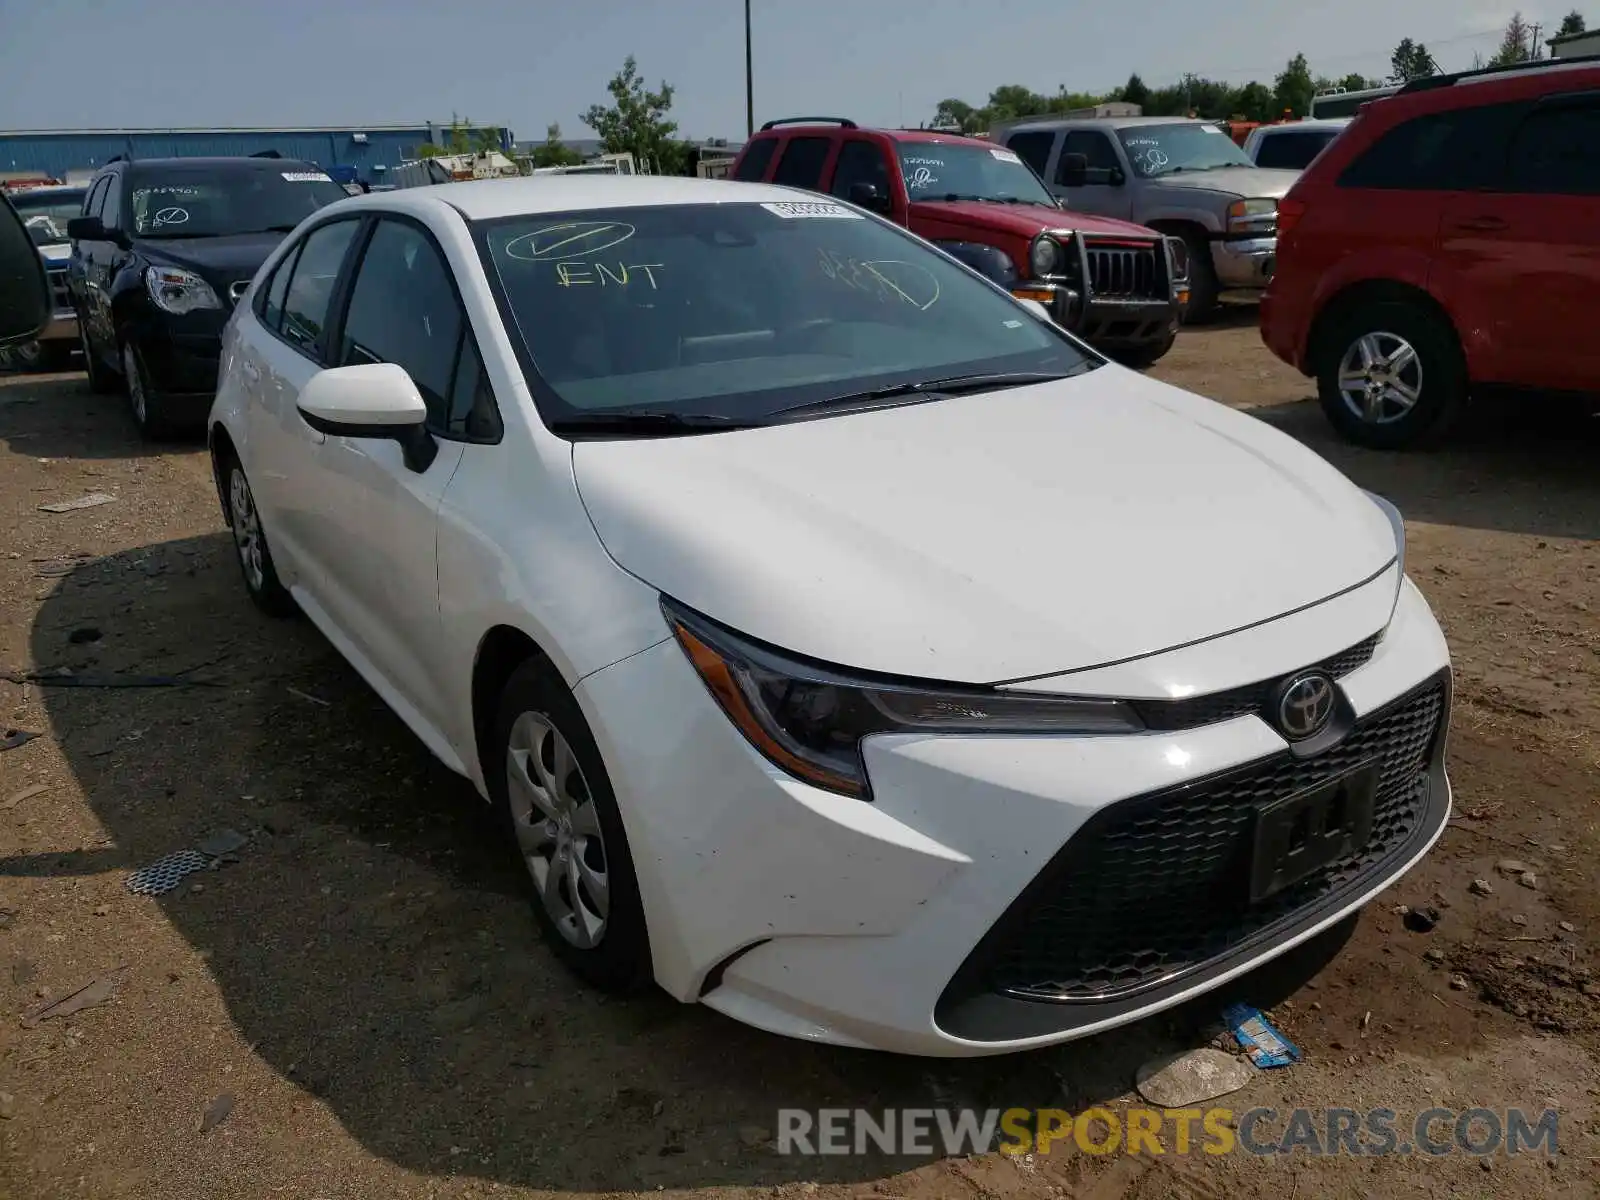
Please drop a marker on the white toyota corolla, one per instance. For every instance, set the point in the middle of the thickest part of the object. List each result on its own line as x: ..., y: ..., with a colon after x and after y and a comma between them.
x: 847, y: 647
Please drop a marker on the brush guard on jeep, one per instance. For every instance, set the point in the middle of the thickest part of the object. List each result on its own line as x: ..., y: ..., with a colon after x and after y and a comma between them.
x: 1115, y: 292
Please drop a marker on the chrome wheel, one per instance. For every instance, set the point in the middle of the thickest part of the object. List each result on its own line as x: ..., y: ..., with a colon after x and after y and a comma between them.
x: 1380, y: 378
x: 136, y: 393
x: 247, y: 530
x: 558, y: 830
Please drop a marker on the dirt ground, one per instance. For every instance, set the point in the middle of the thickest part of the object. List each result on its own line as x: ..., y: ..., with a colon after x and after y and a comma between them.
x: 364, y: 980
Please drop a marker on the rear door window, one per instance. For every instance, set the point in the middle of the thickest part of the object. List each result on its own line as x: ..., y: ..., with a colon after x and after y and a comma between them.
x: 309, y: 297
x: 753, y: 166
x: 1557, y: 151
x: 1462, y: 149
x: 802, y: 162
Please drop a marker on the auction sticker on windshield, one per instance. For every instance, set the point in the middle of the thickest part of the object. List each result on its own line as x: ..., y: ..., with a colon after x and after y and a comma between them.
x: 1005, y: 155
x: 790, y: 209
x: 306, y: 177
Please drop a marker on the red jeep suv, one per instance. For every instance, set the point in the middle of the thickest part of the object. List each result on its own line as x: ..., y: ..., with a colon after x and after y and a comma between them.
x: 1120, y: 287
x: 1447, y: 241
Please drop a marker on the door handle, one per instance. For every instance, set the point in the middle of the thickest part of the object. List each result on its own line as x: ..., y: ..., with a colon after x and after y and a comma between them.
x: 1481, y: 225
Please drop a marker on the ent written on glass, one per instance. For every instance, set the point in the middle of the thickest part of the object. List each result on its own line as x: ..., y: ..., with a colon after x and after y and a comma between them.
x: 578, y: 274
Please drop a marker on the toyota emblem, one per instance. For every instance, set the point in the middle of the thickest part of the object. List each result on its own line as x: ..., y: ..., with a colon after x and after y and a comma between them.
x: 1305, y: 706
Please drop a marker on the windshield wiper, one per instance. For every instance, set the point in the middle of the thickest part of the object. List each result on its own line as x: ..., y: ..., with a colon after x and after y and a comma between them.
x: 648, y: 422
x: 924, y: 390
x: 277, y: 229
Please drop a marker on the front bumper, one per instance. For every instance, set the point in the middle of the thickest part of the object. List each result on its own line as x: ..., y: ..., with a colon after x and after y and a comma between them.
x: 1244, y: 265
x: 877, y: 924
x: 1109, y: 323
x: 181, y: 362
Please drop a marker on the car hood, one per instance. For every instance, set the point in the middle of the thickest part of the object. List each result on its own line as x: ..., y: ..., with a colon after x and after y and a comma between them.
x: 1271, y: 182
x: 216, y: 259
x: 992, y: 537
x: 1024, y: 220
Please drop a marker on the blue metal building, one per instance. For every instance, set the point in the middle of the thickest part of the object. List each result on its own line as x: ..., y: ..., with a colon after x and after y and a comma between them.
x: 370, y: 150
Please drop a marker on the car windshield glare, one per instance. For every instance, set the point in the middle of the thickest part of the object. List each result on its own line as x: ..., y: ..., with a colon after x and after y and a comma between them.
x: 952, y: 171
x: 185, y: 203
x: 46, y: 214
x: 1166, y: 149
x: 740, y: 310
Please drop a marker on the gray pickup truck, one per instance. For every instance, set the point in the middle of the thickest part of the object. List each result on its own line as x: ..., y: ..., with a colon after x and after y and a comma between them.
x: 1182, y: 177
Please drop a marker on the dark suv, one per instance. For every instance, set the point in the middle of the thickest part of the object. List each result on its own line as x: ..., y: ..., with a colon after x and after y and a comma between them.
x: 1120, y: 287
x: 1448, y: 240
x: 162, y: 252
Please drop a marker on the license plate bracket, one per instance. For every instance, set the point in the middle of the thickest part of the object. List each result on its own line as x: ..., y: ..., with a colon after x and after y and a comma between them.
x: 1302, y: 833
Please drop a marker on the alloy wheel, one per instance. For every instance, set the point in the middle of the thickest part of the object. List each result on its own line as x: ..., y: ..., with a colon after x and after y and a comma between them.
x: 247, y: 530
x: 558, y: 830
x: 1380, y: 377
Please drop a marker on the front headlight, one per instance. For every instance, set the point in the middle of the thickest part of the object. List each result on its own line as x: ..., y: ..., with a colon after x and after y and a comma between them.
x: 809, y: 719
x: 1044, y: 256
x: 177, y: 291
x: 1178, y: 255
x: 1258, y: 216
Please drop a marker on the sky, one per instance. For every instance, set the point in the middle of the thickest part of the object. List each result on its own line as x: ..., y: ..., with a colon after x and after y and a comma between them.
x: 99, y: 64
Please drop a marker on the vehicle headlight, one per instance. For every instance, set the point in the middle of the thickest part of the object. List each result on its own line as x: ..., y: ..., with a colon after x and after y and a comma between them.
x: 1253, y: 216
x: 1178, y: 251
x: 809, y: 719
x: 1044, y: 256
x: 1398, y: 524
x: 177, y: 291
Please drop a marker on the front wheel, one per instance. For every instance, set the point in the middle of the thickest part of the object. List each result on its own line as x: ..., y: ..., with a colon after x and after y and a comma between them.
x: 250, y: 540
x: 1392, y: 377
x: 101, y: 381
x: 546, y: 777
x: 1203, y: 286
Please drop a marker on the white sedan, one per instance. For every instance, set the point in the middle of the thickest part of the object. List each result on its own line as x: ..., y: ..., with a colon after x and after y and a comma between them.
x: 847, y: 648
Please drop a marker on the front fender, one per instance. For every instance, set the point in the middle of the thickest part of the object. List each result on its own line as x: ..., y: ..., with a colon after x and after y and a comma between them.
x: 1168, y: 212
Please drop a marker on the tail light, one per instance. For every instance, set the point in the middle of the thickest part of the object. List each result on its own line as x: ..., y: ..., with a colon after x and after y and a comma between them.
x: 1289, y: 213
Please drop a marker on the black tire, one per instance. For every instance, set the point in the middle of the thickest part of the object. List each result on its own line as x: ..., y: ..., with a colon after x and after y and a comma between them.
x: 618, y: 960
x: 1439, y: 376
x: 261, y: 580
x: 1203, y: 286
x: 148, y: 406
x: 101, y: 381
x: 1141, y: 357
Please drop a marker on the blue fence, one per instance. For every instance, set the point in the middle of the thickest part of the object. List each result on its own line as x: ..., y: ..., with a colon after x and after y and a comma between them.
x: 364, y: 151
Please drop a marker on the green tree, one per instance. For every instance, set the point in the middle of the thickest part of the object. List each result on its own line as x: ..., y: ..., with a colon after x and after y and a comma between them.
x: 1135, y: 91
x: 1294, y: 87
x: 636, y: 123
x: 960, y: 114
x: 1411, y: 60
x: 1255, y: 102
x: 1572, y: 23
x: 555, y: 152
x: 1516, y: 45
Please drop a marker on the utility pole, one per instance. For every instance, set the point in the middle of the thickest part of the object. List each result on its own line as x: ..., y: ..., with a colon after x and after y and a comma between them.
x: 1533, y: 44
x: 749, y: 79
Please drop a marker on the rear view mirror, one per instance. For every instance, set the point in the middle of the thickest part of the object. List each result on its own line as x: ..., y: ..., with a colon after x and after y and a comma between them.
x: 370, y: 400
x: 24, y: 291
x: 1074, y: 170
x: 866, y: 195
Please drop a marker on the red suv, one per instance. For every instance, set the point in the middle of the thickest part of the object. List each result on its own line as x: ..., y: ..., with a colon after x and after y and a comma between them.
x: 1447, y: 241
x: 1120, y: 287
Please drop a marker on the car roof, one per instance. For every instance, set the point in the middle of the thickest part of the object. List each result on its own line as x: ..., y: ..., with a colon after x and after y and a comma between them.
x: 220, y: 162
x: 488, y: 199
x: 1308, y: 123
x: 46, y: 189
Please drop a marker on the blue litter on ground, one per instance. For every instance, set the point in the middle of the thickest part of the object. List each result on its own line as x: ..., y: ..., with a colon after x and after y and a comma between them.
x: 1263, y: 1043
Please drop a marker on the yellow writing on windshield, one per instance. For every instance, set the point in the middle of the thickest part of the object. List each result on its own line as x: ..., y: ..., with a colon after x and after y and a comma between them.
x: 577, y: 274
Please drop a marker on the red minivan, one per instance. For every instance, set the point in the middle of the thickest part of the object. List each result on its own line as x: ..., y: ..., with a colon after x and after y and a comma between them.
x: 1447, y: 241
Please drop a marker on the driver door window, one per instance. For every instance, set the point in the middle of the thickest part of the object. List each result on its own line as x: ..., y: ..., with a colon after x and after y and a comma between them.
x: 861, y: 162
x: 1097, y: 148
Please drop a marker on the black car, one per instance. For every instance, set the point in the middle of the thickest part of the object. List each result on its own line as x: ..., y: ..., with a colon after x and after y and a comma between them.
x: 162, y: 252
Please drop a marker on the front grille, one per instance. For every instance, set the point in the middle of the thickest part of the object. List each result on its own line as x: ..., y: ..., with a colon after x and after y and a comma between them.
x: 60, y: 295
x: 1194, y: 711
x: 1126, y: 272
x: 1158, y: 886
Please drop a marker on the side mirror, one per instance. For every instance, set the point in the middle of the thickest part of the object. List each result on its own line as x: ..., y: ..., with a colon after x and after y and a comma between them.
x: 370, y: 400
x: 1115, y: 177
x: 1073, y: 171
x: 87, y: 229
x: 867, y: 195
x: 24, y: 292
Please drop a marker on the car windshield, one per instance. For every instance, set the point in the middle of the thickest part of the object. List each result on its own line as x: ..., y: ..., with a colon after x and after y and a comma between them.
x: 186, y: 202
x: 46, y: 213
x: 952, y: 171
x: 740, y: 310
x: 1168, y: 149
